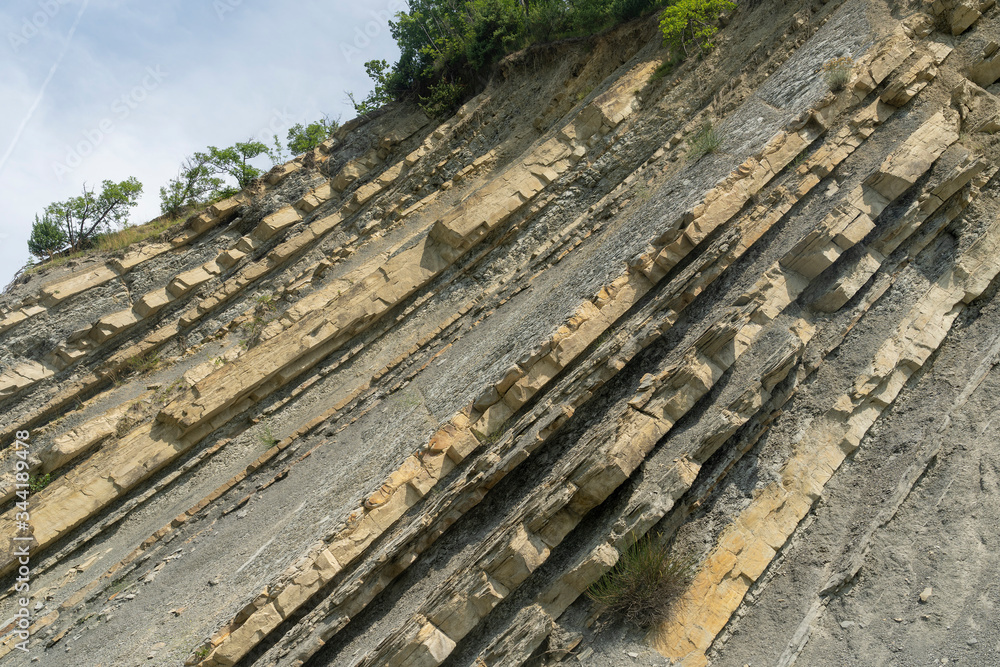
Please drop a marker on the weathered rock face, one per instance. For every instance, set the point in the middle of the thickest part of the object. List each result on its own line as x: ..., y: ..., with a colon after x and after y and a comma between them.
x: 404, y: 400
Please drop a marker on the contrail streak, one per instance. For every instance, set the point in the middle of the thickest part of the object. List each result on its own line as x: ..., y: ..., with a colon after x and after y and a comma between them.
x: 45, y: 84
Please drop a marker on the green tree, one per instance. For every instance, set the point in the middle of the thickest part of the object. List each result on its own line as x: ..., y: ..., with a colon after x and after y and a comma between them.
x: 81, y: 218
x: 447, y: 47
x: 546, y: 21
x: 302, y: 139
x: 277, y: 152
x: 588, y: 16
x: 693, y: 22
x: 496, y: 28
x: 195, y: 184
x: 379, y: 72
x: 46, y: 237
x: 625, y: 10
x: 234, y: 160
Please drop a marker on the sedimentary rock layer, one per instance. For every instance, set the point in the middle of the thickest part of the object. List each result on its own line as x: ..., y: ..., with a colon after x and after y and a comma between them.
x: 405, y: 399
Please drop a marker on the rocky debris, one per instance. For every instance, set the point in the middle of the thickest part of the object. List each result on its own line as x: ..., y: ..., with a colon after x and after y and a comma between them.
x: 585, y: 339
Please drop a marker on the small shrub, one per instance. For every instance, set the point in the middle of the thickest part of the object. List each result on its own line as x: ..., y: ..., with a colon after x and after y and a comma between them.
x: 82, y: 218
x: 444, y: 98
x: 837, y: 72
x: 302, y: 139
x: 705, y: 141
x: 645, y: 583
x: 267, y: 439
x: 38, y: 482
x: 144, y: 363
x: 667, y: 67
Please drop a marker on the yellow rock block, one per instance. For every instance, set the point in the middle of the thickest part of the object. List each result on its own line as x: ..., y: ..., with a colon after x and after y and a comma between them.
x: 276, y: 222
x: 521, y: 556
x: 401, y: 500
x: 729, y: 592
x: 462, y: 612
x: 557, y: 597
x: 226, y: 209
x: 187, y: 281
x: 111, y: 325
x: 733, y: 540
x: 456, y: 442
x: 134, y: 258
x: 719, y: 566
x: 558, y: 526
x: 81, y: 439
x: 293, y: 596
x: 55, y: 293
x: 152, y: 302
x: 326, y: 565
x: 229, y: 258
x: 246, y: 636
x: 893, y: 54
x: 540, y: 374
x: 671, y: 640
x: 202, y: 222
x: 435, y: 467
x: 905, y: 165
x: 492, y: 420
x: 755, y: 558
x: 430, y: 648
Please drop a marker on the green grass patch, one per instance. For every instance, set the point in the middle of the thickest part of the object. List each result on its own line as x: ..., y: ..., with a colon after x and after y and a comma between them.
x: 267, y: 438
x: 38, y: 482
x: 667, y: 67
x: 123, y: 238
x: 705, y: 141
x: 116, y: 241
x: 144, y: 364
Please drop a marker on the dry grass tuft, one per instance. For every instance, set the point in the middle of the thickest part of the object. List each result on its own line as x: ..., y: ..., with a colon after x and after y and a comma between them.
x: 645, y: 583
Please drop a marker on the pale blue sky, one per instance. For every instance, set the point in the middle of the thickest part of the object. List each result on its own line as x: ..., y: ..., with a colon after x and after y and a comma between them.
x: 107, y: 89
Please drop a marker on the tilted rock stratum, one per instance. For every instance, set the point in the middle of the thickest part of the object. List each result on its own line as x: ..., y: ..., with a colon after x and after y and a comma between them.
x: 402, y: 401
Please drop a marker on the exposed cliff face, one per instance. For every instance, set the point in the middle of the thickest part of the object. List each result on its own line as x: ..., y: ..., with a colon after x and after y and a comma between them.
x: 403, y: 402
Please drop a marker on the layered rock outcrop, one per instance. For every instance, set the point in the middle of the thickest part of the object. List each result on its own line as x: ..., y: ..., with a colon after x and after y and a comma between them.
x: 406, y: 399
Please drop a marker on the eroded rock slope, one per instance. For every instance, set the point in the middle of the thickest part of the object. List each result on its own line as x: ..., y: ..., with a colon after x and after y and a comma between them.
x: 403, y: 401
